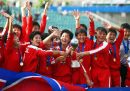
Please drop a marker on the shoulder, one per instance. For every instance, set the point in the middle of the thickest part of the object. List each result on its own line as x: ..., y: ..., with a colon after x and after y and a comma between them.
x: 33, y: 47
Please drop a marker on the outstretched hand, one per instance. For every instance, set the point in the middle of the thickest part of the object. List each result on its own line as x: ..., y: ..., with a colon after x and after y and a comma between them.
x: 107, y: 25
x: 24, y: 5
x: 79, y: 55
x: 56, y: 33
x: 28, y: 5
x: 5, y: 14
x: 46, y: 7
x: 89, y: 15
x: 76, y: 14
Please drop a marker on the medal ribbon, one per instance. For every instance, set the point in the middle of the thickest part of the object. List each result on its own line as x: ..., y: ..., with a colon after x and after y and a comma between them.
x: 60, y: 47
x: 83, y: 46
x: 48, y: 62
x: 94, y: 48
x: 20, y: 56
x: 114, y: 47
x: 126, y: 47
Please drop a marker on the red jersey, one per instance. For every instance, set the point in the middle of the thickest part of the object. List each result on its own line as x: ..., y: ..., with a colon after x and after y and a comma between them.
x: 86, y: 47
x: 43, y: 24
x: 23, y: 34
x: 101, y: 58
x: 13, y: 55
x: 100, y: 72
x: 45, y: 66
x: 78, y: 73
x: 115, y: 51
x: 26, y: 29
x: 62, y: 70
x: 1, y: 52
x: 32, y: 57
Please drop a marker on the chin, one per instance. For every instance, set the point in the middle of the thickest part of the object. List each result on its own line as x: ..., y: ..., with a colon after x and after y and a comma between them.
x: 101, y: 40
x: 82, y: 41
x: 37, y: 45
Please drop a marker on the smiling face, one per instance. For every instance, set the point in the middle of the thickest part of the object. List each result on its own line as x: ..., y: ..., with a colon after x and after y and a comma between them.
x: 65, y: 39
x: 17, y: 31
x: 36, y: 40
x: 101, y: 36
x: 126, y: 33
x: 111, y: 36
x: 16, y: 41
x: 81, y: 37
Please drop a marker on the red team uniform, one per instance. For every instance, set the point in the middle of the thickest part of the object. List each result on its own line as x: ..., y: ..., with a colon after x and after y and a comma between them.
x: 115, y: 60
x: 100, y: 73
x: 62, y: 70
x: 13, y: 55
x: 32, y: 57
x: 2, y: 47
x: 78, y: 73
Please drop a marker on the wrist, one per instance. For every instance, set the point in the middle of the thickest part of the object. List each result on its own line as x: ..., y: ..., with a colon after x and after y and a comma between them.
x: 76, y: 18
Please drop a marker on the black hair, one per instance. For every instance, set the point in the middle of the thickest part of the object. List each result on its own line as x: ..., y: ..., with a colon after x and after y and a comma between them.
x: 125, y: 25
x: 84, y: 26
x: 17, y: 26
x: 44, y: 35
x: 112, y: 30
x: 33, y: 34
x: 68, y: 32
x: 80, y: 31
x: 52, y: 27
x: 101, y: 29
x: 4, y: 36
x: 36, y: 24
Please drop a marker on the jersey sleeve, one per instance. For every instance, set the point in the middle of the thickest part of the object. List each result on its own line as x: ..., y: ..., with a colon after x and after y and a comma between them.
x: 43, y: 23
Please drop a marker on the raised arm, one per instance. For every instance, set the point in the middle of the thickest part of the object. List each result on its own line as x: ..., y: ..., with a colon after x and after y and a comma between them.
x: 56, y: 33
x: 24, y: 21
x: 118, y: 29
x: 29, y: 22
x: 5, y: 30
x: 76, y: 15
x: 91, y: 25
x: 10, y: 37
x: 44, y: 18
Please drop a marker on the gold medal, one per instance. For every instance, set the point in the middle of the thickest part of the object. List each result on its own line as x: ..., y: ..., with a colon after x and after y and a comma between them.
x: 21, y: 63
x: 81, y: 60
x: 95, y: 58
x: 125, y: 55
x: 114, y: 59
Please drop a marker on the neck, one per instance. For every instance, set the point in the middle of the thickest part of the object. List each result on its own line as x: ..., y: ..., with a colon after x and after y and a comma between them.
x: 112, y: 42
x: 81, y: 43
x: 99, y: 42
x: 125, y: 38
x: 64, y: 46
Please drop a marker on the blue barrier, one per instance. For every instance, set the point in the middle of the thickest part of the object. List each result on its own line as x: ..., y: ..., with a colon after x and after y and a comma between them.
x: 110, y: 89
x: 103, y: 9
